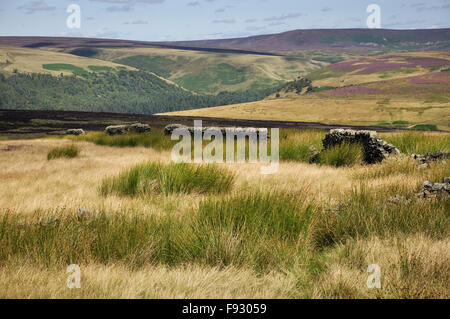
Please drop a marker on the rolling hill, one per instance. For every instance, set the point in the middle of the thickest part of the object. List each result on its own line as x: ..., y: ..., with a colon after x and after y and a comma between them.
x: 157, y: 77
x: 282, y: 43
x: 394, y: 90
x: 211, y: 72
x: 335, y: 39
x: 26, y: 60
x: 33, y: 79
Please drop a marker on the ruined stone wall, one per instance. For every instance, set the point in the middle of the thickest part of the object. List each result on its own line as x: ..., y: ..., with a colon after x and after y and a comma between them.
x: 375, y: 149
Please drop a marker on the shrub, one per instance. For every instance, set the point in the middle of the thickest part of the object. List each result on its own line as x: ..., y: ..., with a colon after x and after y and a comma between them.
x: 64, y: 151
x: 167, y: 179
x: 345, y: 154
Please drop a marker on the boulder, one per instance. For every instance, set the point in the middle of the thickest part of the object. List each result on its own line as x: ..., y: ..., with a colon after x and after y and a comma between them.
x: 224, y: 130
x: 116, y: 129
x: 171, y: 127
x: 139, y: 128
x: 74, y: 131
x: 314, y: 158
x: 375, y: 149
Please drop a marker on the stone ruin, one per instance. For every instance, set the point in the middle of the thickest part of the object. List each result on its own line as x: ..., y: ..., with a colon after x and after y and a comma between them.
x: 123, y: 129
x: 431, y: 157
x: 375, y: 149
x: 235, y: 130
x: 172, y: 127
x: 430, y: 189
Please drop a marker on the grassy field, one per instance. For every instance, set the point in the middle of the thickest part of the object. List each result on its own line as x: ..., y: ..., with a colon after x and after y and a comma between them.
x: 308, y: 231
x: 353, y: 111
x: 25, y: 60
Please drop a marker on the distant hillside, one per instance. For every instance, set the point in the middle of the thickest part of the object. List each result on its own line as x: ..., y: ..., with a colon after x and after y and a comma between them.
x: 396, y: 90
x: 115, y: 91
x: 211, y: 72
x: 283, y: 43
x: 368, y: 39
x: 415, y: 74
x: 26, y: 60
x: 38, y: 79
x: 149, y: 77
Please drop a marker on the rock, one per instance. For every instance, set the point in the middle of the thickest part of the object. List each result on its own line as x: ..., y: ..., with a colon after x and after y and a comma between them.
x: 431, y: 190
x: 314, y: 158
x: 74, y: 131
x: 123, y: 129
x: 139, y: 128
x: 171, y: 127
x: 427, y: 185
x: 426, y: 159
x: 116, y: 129
x: 398, y: 200
x: 224, y: 130
x: 375, y: 149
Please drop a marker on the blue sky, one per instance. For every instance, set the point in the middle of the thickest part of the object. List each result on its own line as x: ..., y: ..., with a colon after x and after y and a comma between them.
x: 167, y: 20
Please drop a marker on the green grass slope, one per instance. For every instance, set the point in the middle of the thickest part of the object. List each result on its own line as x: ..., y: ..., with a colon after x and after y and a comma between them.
x: 214, y: 72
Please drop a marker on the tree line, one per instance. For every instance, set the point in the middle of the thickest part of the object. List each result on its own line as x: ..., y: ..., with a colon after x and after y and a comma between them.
x: 120, y: 91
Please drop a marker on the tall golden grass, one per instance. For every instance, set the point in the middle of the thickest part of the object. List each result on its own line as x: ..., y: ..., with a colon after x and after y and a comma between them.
x: 307, y: 231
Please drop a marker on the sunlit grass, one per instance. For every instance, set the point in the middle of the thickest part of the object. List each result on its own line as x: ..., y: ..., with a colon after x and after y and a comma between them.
x: 70, y: 151
x: 170, y: 178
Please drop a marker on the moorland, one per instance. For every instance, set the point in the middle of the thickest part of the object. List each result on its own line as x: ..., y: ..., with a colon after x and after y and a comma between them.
x: 140, y: 226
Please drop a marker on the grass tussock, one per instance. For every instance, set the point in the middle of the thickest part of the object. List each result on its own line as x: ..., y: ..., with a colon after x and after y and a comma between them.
x: 320, y: 254
x: 419, y: 143
x: 412, y: 266
x: 272, y: 240
x: 295, y: 144
x: 404, y: 166
x: 70, y: 151
x: 155, y: 139
x: 345, y: 154
x: 368, y: 214
x: 154, y: 177
x: 261, y: 231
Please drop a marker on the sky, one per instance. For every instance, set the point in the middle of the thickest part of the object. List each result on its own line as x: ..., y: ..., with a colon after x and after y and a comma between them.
x: 174, y: 20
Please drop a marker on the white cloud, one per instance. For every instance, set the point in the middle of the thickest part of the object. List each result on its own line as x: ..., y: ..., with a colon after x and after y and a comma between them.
x: 35, y: 6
